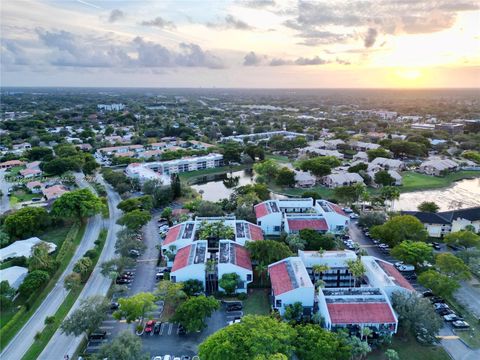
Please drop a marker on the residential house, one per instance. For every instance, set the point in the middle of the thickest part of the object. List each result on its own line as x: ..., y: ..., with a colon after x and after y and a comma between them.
x: 14, y: 275
x: 22, y: 146
x: 321, y: 152
x: 189, y: 263
x: 21, y: 248
x: 386, y: 164
x: 304, y: 179
x: 234, y: 258
x: 54, y: 192
x: 35, y: 187
x: 361, y: 156
x: 343, y: 178
x: 363, y: 146
x: 30, y: 173
x: 11, y: 163
x: 438, y: 167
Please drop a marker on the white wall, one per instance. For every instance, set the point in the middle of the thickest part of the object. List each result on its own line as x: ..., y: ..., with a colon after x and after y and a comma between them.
x: 303, y: 295
x: 231, y: 268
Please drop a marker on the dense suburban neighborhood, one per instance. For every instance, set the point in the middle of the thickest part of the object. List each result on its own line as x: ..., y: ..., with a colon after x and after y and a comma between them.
x: 185, y: 224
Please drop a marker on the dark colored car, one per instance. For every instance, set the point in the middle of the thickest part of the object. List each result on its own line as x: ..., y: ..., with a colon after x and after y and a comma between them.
x: 114, y: 305
x: 436, y: 300
x: 234, y: 307
x: 157, y: 327
x: 411, y: 276
x: 99, y: 334
x: 436, y: 245
x: 443, y: 312
x: 181, y: 330
x: 454, y: 247
x: 122, y: 281
x: 427, y: 293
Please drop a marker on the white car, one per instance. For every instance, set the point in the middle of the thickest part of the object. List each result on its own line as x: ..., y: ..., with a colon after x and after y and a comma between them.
x: 347, y: 210
x: 405, y: 267
x: 353, y: 216
x: 236, y: 321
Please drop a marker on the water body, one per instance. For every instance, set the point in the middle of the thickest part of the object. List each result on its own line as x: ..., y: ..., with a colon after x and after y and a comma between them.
x: 220, y: 186
x: 462, y: 194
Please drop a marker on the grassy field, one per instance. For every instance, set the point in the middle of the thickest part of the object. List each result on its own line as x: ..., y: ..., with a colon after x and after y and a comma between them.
x: 6, y: 336
x: 50, y: 329
x: 56, y: 235
x: 472, y: 336
x: 186, y: 176
x: 257, y: 303
x: 414, y: 181
x: 278, y: 158
x: 409, y: 349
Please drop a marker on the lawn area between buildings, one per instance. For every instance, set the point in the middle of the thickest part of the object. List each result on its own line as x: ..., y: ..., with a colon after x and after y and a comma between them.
x: 50, y: 329
x: 16, y: 322
x: 189, y: 176
x: 278, y: 158
x: 257, y: 303
x: 409, y: 348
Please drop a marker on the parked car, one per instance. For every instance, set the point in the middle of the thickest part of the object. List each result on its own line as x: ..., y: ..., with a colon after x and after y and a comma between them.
x: 375, y: 241
x: 404, y: 267
x: 436, y: 245
x: 123, y: 281
x: 185, y: 357
x: 114, y: 305
x: 347, y: 210
x: 234, y: 307
x: 427, y: 293
x: 443, y: 312
x: 157, y: 327
x: 134, y: 253
x: 454, y: 247
x: 181, y: 330
x: 167, y: 357
x: 460, y: 324
x: 99, y: 334
x: 149, y: 326
x: 411, y: 276
x: 452, y: 317
x: 354, y: 216
x: 235, y: 321
x: 436, y: 300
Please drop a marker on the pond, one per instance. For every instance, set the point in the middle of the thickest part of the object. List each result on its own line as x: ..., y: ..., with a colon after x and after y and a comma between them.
x: 219, y: 186
x: 462, y: 194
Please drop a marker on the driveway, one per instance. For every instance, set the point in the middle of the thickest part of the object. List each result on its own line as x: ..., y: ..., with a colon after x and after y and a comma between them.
x: 97, y: 284
x: 4, y: 201
x: 25, y: 337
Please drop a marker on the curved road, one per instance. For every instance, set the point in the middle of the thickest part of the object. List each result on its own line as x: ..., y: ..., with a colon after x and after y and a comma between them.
x: 61, y: 344
x: 4, y: 201
x: 19, y: 345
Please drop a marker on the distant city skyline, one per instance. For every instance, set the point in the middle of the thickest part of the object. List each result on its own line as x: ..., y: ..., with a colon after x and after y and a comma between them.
x: 241, y: 43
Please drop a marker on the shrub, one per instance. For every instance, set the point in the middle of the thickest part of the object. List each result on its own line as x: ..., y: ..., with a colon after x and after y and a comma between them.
x: 242, y: 296
x: 92, y: 254
x: 33, y: 281
x: 49, y: 320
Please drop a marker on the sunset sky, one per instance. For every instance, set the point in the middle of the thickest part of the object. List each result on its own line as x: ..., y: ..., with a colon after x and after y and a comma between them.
x: 252, y: 43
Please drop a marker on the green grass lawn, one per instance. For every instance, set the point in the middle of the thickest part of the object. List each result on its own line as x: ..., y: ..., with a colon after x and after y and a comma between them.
x: 186, y: 176
x: 278, y: 158
x: 472, y: 336
x: 409, y: 349
x: 24, y: 196
x: 257, y: 303
x: 56, y: 235
x: 413, y: 181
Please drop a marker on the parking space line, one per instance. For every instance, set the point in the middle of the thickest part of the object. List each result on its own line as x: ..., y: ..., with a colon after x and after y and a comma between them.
x: 170, y: 329
x: 162, y: 327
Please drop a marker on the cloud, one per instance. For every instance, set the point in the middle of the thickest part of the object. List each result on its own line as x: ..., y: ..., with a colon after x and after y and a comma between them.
x: 252, y: 59
x: 342, y: 62
x: 159, y: 22
x: 257, y: 4
x: 116, y: 15
x: 301, y: 61
x: 312, y: 19
x: 231, y: 22
x: 370, y: 37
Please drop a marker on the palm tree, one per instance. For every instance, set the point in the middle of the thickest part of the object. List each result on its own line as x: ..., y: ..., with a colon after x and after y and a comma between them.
x: 356, y: 268
x: 365, y: 332
x: 318, y: 269
x: 364, y: 197
x: 390, y: 193
x: 262, y: 271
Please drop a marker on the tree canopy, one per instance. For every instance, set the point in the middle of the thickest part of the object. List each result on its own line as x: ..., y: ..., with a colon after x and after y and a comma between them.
x: 428, y: 206
x: 464, y: 238
x: 452, y: 266
x: 126, y: 346
x: 135, y: 219
x: 440, y: 284
x: 398, y: 229
x: 77, y: 204
x: 413, y: 252
x: 315, y: 343
x: 87, y: 318
x: 26, y: 222
x: 135, y: 307
x: 193, y: 312
x: 267, y: 251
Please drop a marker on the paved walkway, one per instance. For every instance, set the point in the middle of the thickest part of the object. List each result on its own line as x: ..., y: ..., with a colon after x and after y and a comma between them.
x: 456, y: 348
x: 4, y: 201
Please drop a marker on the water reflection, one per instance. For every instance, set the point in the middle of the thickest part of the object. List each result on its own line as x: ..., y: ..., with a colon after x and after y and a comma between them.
x: 463, y: 194
x: 220, y: 186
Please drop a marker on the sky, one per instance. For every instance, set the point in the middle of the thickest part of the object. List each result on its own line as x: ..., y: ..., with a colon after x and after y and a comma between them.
x: 241, y: 43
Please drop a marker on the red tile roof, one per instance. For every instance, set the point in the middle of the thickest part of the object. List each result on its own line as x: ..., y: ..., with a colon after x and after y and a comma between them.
x: 391, y: 271
x: 256, y: 232
x: 279, y: 278
x: 359, y: 313
x: 300, y: 224
x: 242, y: 257
x: 261, y: 210
x: 172, y: 234
x: 337, y: 209
x: 181, y: 258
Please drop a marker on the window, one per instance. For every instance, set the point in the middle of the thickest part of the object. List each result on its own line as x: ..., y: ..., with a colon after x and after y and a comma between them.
x: 259, y: 223
x: 173, y: 279
x: 249, y: 277
x: 278, y: 303
x: 277, y: 228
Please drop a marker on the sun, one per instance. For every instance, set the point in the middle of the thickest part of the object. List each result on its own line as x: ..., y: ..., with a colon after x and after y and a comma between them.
x: 408, y: 74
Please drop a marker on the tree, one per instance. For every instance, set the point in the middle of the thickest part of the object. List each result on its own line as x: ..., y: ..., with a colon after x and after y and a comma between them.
x: 83, y: 267
x: 167, y: 214
x: 193, y: 287
x: 208, y: 209
x: 193, y: 312
x: 359, y: 349
x: 348, y: 194
x: 295, y: 242
x: 398, y: 229
x: 26, y: 222
x: 39, y: 153
x: 357, y: 168
x: 285, y: 177
x: 87, y: 318
x: 357, y: 269
x: 314, y: 343
x: 267, y: 168
x: 126, y: 241
x: 229, y: 282
x: 294, y: 312
x: 267, y: 251
x: 171, y: 293
x: 390, y: 193
x: 6, y: 295
x: 176, y: 186
x: 126, y: 346
x: 72, y: 281
x: 261, y: 190
x: 254, y: 336
x: 428, y: 206
x: 32, y: 282
x: 232, y: 152
x: 384, y: 178
x: 380, y: 152
x: 77, y: 204
x: 4, y: 238
x: 112, y: 268
x: 416, y: 315
x: 464, y: 238
x: 391, y: 354
x: 40, y: 258
x: 138, y: 203
x: 371, y: 219
x: 452, y: 266
x: 135, y: 219
x: 413, y: 252
x: 316, y: 241
x: 440, y: 284
x: 135, y: 307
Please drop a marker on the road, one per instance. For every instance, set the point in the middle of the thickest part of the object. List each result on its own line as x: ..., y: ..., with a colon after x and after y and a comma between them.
x: 4, y: 201
x: 25, y: 337
x: 97, y: 284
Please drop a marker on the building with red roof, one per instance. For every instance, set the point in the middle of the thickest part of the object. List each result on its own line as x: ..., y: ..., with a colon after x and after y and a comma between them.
x: 290, y: 284
x: 189, y: 263
x: 234, y: 258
